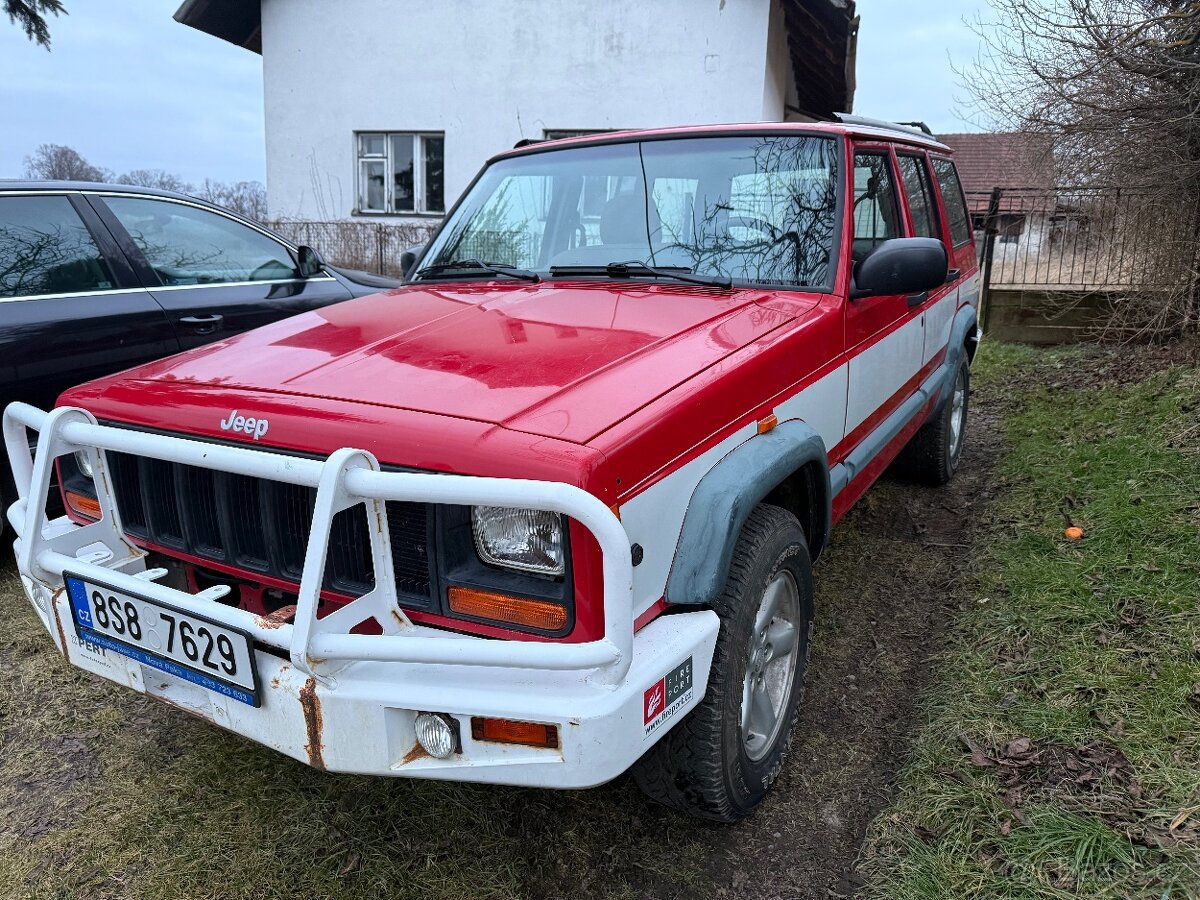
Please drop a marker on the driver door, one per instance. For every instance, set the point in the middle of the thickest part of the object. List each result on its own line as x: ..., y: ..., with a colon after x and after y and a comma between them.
x: 213, y: 274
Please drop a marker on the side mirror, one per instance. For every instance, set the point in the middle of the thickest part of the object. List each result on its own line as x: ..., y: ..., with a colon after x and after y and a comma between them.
x: 308, y: 262
x: 408, y: 259
x: 901, y: 266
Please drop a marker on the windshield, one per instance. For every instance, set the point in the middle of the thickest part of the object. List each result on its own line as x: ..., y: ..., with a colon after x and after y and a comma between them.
x: 758, y: 209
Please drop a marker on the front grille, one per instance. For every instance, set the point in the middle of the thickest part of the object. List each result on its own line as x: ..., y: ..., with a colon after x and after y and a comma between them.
x: 263, y: 526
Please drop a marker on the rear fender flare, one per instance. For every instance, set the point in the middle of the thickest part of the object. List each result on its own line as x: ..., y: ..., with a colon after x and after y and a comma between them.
x: 965, y: 324
x: 724, y: 498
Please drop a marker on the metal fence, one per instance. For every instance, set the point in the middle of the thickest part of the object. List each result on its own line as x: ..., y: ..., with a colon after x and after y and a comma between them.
x: 368, y: 246
x: 1081, y: 239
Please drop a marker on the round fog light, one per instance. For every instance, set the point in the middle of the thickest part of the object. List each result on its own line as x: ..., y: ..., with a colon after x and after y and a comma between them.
x: 435, y: 734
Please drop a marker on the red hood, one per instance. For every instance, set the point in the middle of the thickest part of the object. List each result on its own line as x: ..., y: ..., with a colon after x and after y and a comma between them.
x: 563, y: 360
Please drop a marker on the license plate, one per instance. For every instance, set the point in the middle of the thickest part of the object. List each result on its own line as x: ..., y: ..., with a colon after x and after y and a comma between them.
x: 158, y: 635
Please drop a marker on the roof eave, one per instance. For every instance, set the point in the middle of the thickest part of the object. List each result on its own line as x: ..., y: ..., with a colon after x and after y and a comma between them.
x: 237, y: 21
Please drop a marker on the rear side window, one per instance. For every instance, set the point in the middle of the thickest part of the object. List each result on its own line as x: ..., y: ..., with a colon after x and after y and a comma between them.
x: 46, y: 249
x: 920, y: 196
x: 876, y: 214
x: 952, y: 199
x: 187, y: 245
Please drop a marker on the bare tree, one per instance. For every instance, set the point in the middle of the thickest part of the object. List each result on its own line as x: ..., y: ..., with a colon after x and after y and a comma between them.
x: 1115, y: 87
x: 156, y: 178
x: 55, y: 162
x: 249, y: 198
x: 31, y: 16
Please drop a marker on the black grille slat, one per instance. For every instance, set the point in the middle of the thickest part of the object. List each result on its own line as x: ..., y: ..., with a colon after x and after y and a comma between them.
x: 293, y: 510
x: 264, y: 526
x: 162, y: 508
x: 241, y: 497
x: 348, y: 566
x: 128, y: 488
x: 409, y: 527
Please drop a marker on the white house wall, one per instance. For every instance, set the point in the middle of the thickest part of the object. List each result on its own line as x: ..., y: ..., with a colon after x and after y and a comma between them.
x: 491, y: 73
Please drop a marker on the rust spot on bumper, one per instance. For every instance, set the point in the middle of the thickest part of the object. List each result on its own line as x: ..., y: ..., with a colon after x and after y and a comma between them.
x: 277, y: 618
x: 62, y: 637
x: 417, y: 752
x: 311, y: 704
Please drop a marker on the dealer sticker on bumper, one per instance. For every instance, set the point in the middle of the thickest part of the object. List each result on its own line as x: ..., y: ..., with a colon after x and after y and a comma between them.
x: 666, y: 697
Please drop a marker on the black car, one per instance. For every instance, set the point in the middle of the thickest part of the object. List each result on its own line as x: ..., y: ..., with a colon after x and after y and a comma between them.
x: 95, y: 278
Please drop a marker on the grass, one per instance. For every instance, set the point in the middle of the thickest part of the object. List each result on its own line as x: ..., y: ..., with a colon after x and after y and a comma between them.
x: 1059, y: 754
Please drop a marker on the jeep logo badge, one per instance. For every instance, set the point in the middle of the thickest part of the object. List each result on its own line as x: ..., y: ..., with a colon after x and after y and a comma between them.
x: 244, y: 424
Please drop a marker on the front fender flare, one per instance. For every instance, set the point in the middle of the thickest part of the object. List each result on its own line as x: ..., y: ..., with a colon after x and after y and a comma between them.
x: 724, y: 499
x: 966, y: 321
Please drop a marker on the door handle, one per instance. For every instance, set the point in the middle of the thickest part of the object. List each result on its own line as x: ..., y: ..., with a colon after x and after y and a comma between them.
x: 953, y: 275
x: 917, y: 299
x: 203, y: 324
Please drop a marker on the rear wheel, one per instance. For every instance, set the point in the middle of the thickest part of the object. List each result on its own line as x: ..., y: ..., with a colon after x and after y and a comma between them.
x: 933, y: 454
x: 721, y: 760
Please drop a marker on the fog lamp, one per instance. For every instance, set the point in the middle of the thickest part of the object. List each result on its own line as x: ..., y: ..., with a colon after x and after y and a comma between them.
x: 436, y: 734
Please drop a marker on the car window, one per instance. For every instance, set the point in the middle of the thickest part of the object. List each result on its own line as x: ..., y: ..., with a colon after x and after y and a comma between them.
x: 188, y: 245
x: 919, y: 192
x: 46, y: 249
x: 952, y: 199
x: 876, y: 215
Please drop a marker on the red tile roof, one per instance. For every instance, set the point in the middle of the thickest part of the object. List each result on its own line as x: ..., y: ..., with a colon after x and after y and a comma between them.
x: 989, y: 160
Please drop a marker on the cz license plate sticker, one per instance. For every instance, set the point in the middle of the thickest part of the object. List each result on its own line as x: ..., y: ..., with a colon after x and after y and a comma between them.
x: 170, y: 640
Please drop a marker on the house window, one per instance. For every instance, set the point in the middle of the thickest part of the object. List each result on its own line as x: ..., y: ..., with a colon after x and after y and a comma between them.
x: 1010, y: 227
x: 401, y: 172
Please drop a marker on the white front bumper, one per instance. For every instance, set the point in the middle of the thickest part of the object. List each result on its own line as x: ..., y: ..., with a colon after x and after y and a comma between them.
x: 347, y: 702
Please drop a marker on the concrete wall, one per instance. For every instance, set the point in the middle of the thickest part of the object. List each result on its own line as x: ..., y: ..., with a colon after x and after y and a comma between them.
x: 489, y: 74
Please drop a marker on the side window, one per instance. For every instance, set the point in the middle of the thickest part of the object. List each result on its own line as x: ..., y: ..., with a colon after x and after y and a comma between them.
x: 952, y: 199
x: 919, y: 192
x: 46, y: 249
x: 876, y: 215
x: 187, y: 245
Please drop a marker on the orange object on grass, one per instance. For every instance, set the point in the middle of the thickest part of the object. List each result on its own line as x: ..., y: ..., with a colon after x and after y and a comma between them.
x: 1073, y: 533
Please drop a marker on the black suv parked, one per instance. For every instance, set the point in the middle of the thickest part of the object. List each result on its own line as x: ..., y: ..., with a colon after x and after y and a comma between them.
x: 95, y: 278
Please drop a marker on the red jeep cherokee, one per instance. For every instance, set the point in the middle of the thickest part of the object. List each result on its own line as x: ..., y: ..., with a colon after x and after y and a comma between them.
x: 549, y: 510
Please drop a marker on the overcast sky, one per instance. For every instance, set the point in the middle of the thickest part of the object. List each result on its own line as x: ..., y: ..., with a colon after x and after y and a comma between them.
x: 130, y: 88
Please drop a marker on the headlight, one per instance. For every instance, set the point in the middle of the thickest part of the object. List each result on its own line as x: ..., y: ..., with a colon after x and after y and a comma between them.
x: 84, y: 462
x: 528, y: 540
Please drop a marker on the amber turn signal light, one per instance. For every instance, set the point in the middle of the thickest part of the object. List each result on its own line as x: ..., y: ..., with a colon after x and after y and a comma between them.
x: 505, y: 731
x: 511, y: 610
x: 84, y: 506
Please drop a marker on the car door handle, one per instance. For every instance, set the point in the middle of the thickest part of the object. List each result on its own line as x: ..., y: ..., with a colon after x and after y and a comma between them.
x: 953, y: 275
x: 203, y: 324
x: 917, y: 299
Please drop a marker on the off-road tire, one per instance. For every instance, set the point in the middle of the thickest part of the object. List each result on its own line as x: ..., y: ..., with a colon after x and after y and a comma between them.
x: 701, y: 767
x: 931, y: 457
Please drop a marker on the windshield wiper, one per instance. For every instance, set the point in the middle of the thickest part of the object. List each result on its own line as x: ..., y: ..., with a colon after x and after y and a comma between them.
x: 634, y: 268
x: 493, y: 267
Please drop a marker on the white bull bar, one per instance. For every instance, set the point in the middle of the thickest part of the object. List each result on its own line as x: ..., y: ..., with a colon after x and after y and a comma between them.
x: 347, y: 478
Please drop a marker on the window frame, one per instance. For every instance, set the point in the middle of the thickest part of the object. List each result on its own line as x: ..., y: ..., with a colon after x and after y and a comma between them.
x: 962, y: 198
x: 111, y: 252
x: 885, y: 150
x: 935, y: 212
x: 420, y: 200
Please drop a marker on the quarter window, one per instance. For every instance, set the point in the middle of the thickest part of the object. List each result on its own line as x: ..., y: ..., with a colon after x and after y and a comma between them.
x: 401, y: 172
x: 188, y: 245
x: 952, y: 200
x: 876, y: 214
x: 46, y: 249
x: 920, y: 196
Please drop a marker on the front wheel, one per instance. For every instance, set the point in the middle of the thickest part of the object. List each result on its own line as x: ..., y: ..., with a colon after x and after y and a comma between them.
x: 721, y: 760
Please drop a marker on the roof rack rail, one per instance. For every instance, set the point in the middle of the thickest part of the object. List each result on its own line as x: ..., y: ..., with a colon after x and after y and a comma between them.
x: 907, y: 127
